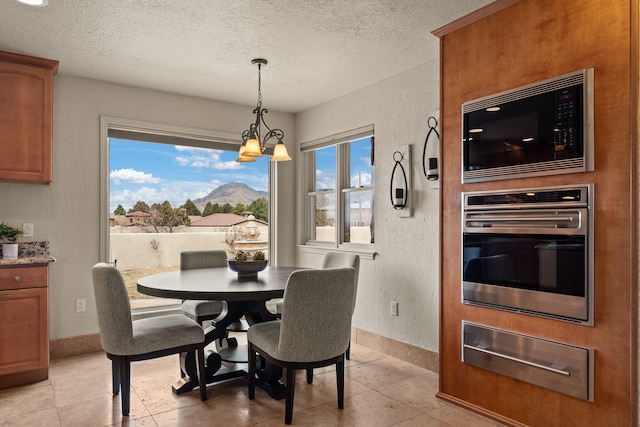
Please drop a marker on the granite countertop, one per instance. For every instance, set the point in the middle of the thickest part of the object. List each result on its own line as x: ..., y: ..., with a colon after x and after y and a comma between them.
x: 30, y: 253
x: 27, y: 260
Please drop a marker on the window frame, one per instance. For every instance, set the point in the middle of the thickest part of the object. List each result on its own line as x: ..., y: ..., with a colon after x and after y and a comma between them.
x: 342, y: 187
x: 122, y: 128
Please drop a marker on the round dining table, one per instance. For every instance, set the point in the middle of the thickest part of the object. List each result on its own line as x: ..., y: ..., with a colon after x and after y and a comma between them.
x: 245, y: 304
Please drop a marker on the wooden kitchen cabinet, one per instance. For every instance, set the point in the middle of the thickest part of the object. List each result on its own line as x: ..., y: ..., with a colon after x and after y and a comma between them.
x: 26, y: 118
x: 24, y: 324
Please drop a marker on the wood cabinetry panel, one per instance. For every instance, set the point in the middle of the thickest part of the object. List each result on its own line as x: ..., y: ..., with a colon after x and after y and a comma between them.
x: 23, y: 277
x: 26, y: 95
x: 25, y: 342
x: 24, y: 324
x: 530, y: 41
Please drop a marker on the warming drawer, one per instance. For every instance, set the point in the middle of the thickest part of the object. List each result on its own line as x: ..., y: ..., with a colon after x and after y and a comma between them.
x: 561, y: 367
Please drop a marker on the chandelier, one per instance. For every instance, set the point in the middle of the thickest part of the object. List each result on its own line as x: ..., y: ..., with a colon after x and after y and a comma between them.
x: 253, y: 142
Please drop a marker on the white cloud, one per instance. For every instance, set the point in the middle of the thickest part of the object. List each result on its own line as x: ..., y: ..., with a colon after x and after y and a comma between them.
x: 366, y: 161
x: 131, y: 175
x: 204, y: 158
x: 362, y: 179
x: 325, y: 179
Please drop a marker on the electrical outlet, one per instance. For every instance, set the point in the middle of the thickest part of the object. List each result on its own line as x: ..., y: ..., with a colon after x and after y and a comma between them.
x: 394, y: 308
x: 27, y: 230
x: 81, y: 305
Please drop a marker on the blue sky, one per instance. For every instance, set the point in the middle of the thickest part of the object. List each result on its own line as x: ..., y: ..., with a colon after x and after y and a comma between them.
x: 154, y: 172
x: 360, y: 166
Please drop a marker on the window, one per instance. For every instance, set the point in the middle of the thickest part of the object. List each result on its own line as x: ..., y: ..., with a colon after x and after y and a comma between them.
x: 158, y: 195
x: 339, y: 184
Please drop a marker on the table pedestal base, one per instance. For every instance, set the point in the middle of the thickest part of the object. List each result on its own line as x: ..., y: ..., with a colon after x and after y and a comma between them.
x: 267, y: 375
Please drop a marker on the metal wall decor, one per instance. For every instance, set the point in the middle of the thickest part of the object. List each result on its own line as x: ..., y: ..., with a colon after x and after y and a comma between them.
x: 431, y: 173
x: 400, y: 181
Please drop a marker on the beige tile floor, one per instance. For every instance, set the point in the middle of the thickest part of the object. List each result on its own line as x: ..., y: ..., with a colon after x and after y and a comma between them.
x: 379, y: 391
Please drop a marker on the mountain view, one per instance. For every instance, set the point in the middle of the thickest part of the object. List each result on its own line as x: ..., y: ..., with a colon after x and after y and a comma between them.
x: 232, y: 193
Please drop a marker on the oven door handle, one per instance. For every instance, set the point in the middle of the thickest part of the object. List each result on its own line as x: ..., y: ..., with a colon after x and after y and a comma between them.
x: 522, y: 219
x: 515, y: 359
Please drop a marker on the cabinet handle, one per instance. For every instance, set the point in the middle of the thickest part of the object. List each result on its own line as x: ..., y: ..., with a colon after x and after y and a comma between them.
x: 515, y: 359
x: 17, y: 279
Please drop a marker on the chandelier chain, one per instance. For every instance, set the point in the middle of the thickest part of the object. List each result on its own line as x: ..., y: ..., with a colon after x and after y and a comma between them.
x: 259, y: 85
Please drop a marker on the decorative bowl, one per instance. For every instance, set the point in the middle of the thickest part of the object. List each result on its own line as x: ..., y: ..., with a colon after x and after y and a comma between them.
x: 247, y: 269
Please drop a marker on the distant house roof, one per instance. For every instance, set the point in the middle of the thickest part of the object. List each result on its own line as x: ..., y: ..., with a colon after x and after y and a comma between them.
x: 139, y: 214
x: 222, y: 220
x: 219, y: 220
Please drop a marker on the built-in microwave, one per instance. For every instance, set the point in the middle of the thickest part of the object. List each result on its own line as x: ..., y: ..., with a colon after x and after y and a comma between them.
x: 539, y: 129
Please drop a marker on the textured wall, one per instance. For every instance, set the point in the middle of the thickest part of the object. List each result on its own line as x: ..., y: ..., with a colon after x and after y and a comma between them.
x: 66, y: 213
x: 405, y: 268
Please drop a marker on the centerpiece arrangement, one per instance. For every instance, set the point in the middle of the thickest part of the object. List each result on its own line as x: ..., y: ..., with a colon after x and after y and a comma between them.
x: 248, y: 265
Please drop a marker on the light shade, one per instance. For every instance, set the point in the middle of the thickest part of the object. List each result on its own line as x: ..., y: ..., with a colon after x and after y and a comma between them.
x: 252, y: 148
x: 280, y: 152
x: 241, y: 157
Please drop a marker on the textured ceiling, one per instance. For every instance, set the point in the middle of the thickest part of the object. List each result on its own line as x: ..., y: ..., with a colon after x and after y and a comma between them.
x: 317, y: 49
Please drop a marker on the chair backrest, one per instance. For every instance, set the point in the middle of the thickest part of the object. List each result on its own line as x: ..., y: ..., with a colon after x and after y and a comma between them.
x: 202, y: 259
x: 316, y: 314
x: 340, y: 260
x: 114, y: 310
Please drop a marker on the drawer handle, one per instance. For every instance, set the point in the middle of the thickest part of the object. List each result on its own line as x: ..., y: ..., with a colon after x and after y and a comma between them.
x: 17, y: 279
x: 515, y: 359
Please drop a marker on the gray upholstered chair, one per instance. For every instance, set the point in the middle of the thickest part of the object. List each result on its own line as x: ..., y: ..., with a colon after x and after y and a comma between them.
x: 335, y: 260
x: 202, y: 310
x: 314, y: 331
x: 340, y: 260
x: 126, y: 340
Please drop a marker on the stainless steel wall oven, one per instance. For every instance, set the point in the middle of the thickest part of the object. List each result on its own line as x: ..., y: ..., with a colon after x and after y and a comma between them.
x: 530, y: 250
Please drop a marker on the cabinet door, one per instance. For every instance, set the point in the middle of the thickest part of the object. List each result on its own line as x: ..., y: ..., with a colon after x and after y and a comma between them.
x: 26, y: 95
x: 24, y: 337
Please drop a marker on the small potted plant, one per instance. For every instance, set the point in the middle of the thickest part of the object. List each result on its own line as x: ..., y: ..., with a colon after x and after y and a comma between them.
x: 8, y: 236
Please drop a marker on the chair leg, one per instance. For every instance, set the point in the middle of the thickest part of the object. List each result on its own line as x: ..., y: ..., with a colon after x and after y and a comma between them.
x: 125, y: 384
x: 251, y: 360
x: 291, y: 385
x: 348, y: 353
x: 310, y: 376
x: 115, y: 375
x: 182, y: 373
x: 340, y: 382
x: 202, y: 373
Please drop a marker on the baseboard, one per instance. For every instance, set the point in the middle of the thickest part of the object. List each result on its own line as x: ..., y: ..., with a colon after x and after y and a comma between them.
x: 415, y: 355
x: 73, y: 346
x: 479, y: 410
x: 23, y: 378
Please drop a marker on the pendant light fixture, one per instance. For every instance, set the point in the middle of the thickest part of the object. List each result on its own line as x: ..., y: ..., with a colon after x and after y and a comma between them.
x: 253, y: 142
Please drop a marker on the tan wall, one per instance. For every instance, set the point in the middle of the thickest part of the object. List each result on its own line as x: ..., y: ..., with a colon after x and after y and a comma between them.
x: 530, y: 41
x: 67, y: 212
x: 405, y: 268
x: 136, y: 251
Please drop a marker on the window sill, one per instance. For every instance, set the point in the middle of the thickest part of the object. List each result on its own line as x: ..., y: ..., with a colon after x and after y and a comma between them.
x: 157, y: 310
x: 319, y: 248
